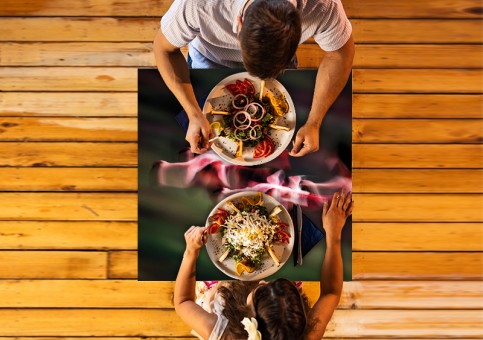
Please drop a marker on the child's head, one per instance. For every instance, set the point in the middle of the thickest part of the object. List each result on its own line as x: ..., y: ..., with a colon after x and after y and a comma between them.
x: 280, y: 310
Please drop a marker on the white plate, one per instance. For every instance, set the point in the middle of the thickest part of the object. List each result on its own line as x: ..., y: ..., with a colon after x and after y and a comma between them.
x: 267, y: 267
x: 219, y: 99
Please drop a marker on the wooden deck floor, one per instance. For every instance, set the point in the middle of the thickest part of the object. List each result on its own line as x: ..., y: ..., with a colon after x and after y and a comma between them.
x: 68, y: 177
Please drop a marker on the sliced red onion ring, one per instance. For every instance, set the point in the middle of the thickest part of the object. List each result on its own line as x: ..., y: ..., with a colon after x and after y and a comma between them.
x: 253, y: 109
x: 242, y: 96
x: 255, y: 132
x: 242, y: 120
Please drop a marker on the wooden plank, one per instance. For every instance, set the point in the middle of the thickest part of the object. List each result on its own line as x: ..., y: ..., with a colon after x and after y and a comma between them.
x: 40, y: 154
x: 123, y: 265
x: 416, y: 81
x: 416, y: 156
x: 98, y: 322
x: 417, y: 181
x: 68, y: 207
x: 398, y: 56
x: 417, y: 131
x: 428, y: 56
x: 354, y: 8
x: 418, y: 208
x: 137, y: 29
x: 77, y: 54
x: 68, y: 129
x: 79, y: 29
x: 365, y: 265
x: 67, y: 79
x: 136, y: 54
x: 68, y: 179
x: 415, y: 31
x: 413, y: 9
x: 151, y: 294
x: 125, y: 79
x: 52, y: 265
x: 416, y: 266
x: 68, y: 235
x: 430, y: 237
x: 34, y: 104
x: 88, y: 8
x: 146, y: 322
x: 416, y: 106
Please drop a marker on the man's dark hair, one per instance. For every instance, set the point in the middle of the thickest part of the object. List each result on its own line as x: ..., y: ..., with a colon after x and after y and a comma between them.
x: 269, y: 37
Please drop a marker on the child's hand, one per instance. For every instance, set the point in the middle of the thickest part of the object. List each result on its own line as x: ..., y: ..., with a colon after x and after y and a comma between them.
x: 334, y: 216
x: 195, y: 238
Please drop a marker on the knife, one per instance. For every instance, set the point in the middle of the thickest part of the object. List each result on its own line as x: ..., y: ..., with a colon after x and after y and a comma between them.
x: 299, y: 224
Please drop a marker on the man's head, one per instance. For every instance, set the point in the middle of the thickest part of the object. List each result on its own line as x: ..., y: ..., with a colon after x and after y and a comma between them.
x: 269, y: 36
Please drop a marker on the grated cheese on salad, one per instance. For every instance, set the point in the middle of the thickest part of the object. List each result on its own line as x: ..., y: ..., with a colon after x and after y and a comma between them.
x: 248, y: 233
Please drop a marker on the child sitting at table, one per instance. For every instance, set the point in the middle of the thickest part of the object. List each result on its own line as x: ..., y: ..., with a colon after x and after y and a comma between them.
x: 264, y: 310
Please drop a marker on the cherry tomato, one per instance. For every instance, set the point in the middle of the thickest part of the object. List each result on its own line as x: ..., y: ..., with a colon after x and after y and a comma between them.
x: 213, y: 228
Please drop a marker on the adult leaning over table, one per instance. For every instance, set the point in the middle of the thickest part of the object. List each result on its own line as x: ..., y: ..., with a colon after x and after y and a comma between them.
x: 261, y: 36
x: 274, y: 310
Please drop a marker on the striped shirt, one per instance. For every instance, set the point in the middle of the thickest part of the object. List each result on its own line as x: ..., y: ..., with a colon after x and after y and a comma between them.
x: 209, y: 28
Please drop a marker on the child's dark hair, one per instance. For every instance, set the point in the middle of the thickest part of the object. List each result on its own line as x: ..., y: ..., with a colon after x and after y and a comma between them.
x: 281, y: 310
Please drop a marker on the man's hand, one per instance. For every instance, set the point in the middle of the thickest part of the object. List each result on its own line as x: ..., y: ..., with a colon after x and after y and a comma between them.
x: 306, y: 141
x: 199, y: 133
x: 334, y: 216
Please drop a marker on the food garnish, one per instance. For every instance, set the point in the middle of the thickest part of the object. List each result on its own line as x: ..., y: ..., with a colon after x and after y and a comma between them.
x: 248, y: 231
x: 250, y: 116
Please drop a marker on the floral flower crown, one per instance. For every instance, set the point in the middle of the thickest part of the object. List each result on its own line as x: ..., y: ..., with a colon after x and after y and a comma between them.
x: 251, y: 326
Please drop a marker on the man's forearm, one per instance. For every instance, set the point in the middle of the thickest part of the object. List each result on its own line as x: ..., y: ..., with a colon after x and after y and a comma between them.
x: 332, y: 76
x: 332, y: 269
x: 173, y: 68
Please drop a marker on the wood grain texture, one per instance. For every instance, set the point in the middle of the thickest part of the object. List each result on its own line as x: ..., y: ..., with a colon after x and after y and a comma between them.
x: 417, y: 81
x: 86, y: 8
x: 77, y: 54
x: 68, y: 207
x: 418, y: 56
x: 467, y: 156
x: 150, y: 294
x: 68, y: 129
x: 67, y: 79
x: 68, y: 179
x: 413, y: 9
x: 123, y: 265
x: 424, y: 236
x: 421, y: 131
x: 354, y: 8
x: 79, y: 29
x: 418, y: 208
x: 52, y: 265
x: 365, y: 265
x: 146, y: 322
x: 135, y: 54
x: 417, y: 181
x: 432, y: 106
x: 42, y: 154
x: 137, y: 29
x: 85, y: 104
x: 419, y: 266
x: 416, y: 31
x: 71, y: 235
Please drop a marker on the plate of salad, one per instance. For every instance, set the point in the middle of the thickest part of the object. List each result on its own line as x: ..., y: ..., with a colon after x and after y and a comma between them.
x: 251, y: 235
x: 254, y: 120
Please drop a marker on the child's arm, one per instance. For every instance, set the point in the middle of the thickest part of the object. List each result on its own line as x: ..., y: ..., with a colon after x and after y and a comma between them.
x: 331, y: 275
x: 184, y: 290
